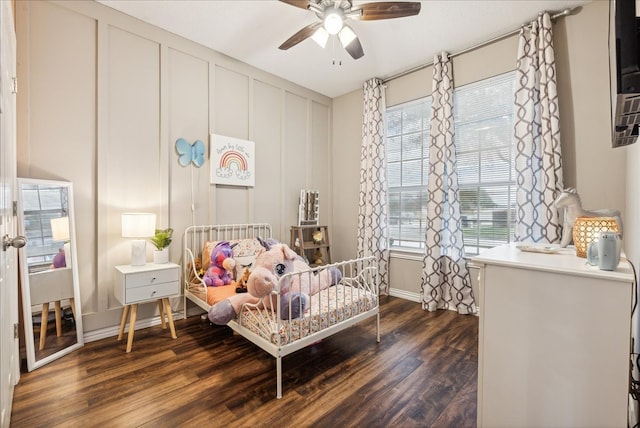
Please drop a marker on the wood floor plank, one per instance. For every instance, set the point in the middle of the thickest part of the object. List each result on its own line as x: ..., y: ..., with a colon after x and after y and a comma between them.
x: 458, y: 413
x: 423, y: 373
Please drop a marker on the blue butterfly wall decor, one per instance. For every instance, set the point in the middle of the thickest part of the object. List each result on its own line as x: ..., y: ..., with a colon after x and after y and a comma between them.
x: 188, y: 153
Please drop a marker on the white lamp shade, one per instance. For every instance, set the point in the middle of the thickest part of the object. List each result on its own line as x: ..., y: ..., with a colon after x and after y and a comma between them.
x: 60, y: 229
x: 138, y: 225
x: 346, y: 36
x: 320, y: 37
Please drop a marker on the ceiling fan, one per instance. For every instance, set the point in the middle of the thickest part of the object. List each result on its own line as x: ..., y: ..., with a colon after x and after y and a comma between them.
x: 333, y: 15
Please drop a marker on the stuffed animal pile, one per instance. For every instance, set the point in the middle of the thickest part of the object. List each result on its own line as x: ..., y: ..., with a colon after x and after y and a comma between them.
x: 269, y: 266
x: 222, y: 264
x: 241, y: 283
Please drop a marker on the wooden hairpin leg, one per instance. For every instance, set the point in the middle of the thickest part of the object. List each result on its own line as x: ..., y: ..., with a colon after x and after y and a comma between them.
x: 72, y: 302
x: 167, y: 308
x: 161, y: 311
x: 132, y: 325
x: 58, y: 310
x: 43, y: 324
x: 123, y: 321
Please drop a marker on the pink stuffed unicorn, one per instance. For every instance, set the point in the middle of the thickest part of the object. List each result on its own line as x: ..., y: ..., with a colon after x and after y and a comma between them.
x: 270, y: 264
x: 222, y: 264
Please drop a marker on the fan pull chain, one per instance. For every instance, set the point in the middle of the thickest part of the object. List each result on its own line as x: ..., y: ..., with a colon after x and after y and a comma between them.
x: 337, y: 62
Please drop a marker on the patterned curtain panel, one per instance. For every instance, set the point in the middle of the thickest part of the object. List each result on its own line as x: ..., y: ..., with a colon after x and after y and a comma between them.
x: 372, y: 211
x: 445, y: 279
x: 537, y: 134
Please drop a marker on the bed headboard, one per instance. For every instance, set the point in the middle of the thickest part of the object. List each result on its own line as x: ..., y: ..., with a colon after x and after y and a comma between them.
x: 195, y: 236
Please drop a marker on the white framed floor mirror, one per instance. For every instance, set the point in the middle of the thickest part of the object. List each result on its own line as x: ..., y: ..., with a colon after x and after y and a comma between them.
x: 48, y: 272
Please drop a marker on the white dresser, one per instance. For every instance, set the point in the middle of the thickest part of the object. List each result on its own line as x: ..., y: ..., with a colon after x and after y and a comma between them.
x: 554, y: 340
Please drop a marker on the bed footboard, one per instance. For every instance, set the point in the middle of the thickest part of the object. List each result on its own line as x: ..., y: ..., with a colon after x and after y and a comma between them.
x: 280, y: 330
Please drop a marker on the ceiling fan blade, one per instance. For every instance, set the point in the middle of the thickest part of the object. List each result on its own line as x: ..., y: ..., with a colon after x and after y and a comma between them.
x: 355, y: 49
x: 301, y: 35
x: 302, y: 4
x: 388, y: 10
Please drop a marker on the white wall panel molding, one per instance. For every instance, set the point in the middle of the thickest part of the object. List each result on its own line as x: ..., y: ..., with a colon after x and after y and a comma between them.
x: 149, y: 88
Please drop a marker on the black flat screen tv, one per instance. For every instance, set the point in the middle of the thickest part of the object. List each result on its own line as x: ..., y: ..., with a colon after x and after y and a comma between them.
x: 626, y: 118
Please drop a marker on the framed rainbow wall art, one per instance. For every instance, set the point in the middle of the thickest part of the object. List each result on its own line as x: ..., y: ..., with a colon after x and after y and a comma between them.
x: 232, y: 161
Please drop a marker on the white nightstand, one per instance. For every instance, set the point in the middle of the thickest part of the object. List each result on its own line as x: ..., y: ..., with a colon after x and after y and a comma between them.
x: 140, y: 284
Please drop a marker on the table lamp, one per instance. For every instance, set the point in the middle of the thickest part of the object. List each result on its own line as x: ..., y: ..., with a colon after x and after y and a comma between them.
x: 60, y: 232
x: 587, y: 229
x: 138, y: 225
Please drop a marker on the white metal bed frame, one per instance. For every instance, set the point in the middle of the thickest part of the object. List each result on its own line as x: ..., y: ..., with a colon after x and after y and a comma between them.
x: 360, y: 275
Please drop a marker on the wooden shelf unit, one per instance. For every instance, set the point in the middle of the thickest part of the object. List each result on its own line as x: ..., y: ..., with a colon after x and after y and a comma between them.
x: 302, y: 242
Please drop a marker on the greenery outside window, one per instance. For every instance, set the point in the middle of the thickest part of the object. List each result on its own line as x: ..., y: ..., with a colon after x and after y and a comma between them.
x: 483, y: 120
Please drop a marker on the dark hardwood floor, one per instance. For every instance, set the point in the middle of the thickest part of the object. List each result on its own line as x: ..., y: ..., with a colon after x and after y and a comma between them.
x: 423, y: 373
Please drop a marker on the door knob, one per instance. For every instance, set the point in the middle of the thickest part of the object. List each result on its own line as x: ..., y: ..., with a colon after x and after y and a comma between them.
x: 17, y: 242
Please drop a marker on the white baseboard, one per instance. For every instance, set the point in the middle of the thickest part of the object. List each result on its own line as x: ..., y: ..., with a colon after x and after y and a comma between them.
x: 192, y: 311
x: 195, y: 310
x: 113, y: 331
x: 415, y: 297
x: 403, y: 294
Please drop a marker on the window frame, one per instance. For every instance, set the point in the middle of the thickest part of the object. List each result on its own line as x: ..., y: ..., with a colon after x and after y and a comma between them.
x: 473, y: 244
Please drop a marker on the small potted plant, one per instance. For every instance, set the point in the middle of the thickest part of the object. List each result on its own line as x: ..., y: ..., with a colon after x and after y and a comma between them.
x: 161, y: 241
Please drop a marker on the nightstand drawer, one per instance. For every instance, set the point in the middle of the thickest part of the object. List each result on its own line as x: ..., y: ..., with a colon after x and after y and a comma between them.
x: 137, y: 284
x: 142, y: 279
x: 154, y: 291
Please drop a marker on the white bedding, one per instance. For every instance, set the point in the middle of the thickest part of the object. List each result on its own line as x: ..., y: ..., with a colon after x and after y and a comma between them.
x: 326, y: 308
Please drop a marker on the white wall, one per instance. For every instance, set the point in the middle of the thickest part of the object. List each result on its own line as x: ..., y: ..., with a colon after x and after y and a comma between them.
x: 582, y: 56
x: 347, y: 134
x: 103, y: 98
x: 589, y: 162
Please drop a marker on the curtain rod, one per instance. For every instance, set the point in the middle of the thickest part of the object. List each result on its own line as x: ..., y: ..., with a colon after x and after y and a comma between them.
x: 565, y: 12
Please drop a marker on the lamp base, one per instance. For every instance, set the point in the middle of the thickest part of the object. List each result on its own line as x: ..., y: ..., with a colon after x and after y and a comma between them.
x: 138, y: 252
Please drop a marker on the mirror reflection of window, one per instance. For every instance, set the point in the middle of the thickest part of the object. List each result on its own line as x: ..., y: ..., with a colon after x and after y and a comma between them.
x: 41, y: 205
x: 51, y: 311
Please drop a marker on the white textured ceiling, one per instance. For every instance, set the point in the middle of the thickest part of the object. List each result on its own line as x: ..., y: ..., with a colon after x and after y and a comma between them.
x: 252, y: 30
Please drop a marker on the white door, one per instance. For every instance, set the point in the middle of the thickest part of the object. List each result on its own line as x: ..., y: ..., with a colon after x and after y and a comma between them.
x: 9, y: 357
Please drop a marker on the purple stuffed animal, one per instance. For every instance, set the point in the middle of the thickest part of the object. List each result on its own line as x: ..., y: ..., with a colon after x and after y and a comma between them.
x: 222, y: 264
x: 60, y: 260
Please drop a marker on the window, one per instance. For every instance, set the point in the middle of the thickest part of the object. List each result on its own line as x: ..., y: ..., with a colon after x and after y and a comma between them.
x: 407, y: 172
x: 483, y: 120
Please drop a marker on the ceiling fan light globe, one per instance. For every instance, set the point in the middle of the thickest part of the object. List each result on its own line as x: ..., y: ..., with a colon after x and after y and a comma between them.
x: 333, y: 23
x: 320, y: 37
x: 346, y: 36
